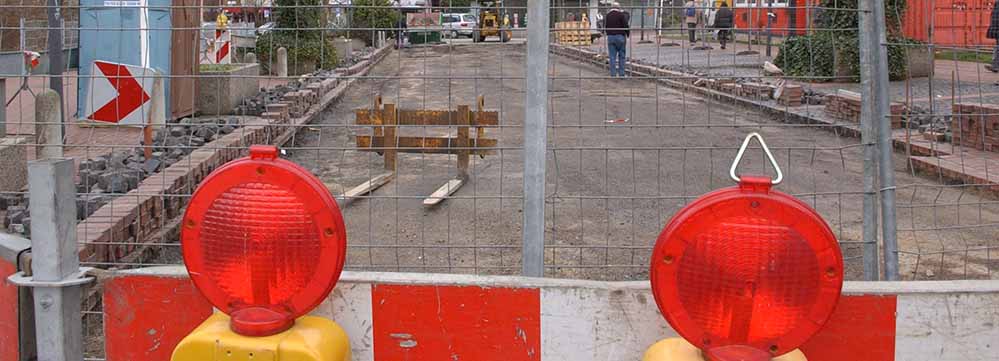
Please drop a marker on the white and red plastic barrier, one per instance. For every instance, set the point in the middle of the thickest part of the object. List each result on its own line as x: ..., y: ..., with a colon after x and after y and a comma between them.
x: 393, y: 316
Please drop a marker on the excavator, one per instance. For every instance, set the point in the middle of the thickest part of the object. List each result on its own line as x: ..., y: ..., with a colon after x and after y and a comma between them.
x: 491, y: 23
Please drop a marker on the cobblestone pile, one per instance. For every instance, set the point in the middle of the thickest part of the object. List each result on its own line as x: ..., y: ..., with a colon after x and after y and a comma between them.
x: 106, y: 177
x: 257, y: 105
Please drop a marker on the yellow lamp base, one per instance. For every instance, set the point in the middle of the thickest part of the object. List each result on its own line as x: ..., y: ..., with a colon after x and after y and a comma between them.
x: 678, y: 349
x: 310, y: 339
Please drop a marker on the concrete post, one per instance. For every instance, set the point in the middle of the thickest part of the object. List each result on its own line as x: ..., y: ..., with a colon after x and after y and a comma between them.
x: 48, y: 125
x: 250, y: 58
x: 59, y: 331
x: 282, y: 62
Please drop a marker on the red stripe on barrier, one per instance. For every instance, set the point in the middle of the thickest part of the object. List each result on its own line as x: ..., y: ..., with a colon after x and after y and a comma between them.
x: 456, y: 323
x: 145, y: 317
x: 9, y: 338
x: 861, y: 328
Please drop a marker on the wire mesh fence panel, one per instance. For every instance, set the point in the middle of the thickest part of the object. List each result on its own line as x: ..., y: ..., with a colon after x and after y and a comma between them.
x: 945, y: 76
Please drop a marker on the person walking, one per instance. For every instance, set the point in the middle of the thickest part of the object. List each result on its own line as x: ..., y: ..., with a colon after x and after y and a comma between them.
x: 617, y: 38
x: 993, y: 33
x: 724, y: 19
x: 692, y: 16
x: 400, y: 32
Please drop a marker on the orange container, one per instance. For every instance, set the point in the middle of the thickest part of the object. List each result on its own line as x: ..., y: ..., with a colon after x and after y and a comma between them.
x: 955, y: 23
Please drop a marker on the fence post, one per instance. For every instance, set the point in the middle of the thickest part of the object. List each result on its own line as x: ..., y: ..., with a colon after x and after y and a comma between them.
x: 3, y: 107
x: 868, y: 137
x: 535, y: 139
x: 48, y: 125
x: 886, y: 162
x: 55, y: 262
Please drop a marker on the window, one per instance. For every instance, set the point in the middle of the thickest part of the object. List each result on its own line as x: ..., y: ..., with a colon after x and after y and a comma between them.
x: 469, y: 18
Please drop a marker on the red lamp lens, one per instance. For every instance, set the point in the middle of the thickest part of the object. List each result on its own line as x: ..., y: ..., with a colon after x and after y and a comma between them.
x: 264, y: 241
x: 748, y: 280
x: 747, y: 266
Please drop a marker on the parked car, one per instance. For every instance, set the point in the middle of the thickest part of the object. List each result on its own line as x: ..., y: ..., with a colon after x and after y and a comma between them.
x: 266, y: 28
x: 459, y: 24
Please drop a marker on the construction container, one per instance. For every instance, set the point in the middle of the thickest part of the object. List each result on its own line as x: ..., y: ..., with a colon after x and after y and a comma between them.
x: 168, y: 44
x: 954, y: 23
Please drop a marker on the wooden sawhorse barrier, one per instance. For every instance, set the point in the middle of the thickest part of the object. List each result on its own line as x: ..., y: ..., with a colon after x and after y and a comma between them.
x: 385, y: 139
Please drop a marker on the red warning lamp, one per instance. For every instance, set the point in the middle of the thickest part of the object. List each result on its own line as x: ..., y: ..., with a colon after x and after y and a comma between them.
x: 264, y: 242
x: 747, y: 272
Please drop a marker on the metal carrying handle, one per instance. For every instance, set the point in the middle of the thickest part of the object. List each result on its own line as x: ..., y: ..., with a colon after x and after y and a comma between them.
x: 742, y: 151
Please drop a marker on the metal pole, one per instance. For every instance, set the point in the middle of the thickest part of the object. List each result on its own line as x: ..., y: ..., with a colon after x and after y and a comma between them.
x: 535, y: 139
x: 3, y: 107
x: 770, y: 31
x: 55, y: 45
x: 868, y: 135
x: 55, y: 260
x: 886, y: 164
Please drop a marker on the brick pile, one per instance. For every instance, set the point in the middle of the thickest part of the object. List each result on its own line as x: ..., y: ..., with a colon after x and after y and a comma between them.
x: 976, y: 126
x: 755, y: 91
x: 846, y: 106
x: 791, y: 95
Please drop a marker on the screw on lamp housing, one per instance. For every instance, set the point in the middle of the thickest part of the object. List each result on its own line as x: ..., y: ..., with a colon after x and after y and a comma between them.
x: 264, y: 241
x: 747, y: 272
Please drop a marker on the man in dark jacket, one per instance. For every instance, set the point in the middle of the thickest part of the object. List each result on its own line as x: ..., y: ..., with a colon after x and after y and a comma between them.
x: 993, y: 33
x: 618, y: 31
x: 723, y: 22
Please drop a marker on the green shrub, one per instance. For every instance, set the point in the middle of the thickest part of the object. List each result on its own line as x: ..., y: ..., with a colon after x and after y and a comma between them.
x: 300, y: 31
x: 815, y: 55
x: 373, y: 14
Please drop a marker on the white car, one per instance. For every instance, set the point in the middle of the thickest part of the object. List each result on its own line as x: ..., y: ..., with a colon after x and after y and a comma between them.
x: 459, y: 24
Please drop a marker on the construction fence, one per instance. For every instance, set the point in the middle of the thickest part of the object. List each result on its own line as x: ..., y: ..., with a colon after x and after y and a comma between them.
x: 452, y: 148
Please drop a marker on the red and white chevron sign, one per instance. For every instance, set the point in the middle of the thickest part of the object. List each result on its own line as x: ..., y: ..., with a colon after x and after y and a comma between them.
x: 120, y: 93
x: 218, y: 50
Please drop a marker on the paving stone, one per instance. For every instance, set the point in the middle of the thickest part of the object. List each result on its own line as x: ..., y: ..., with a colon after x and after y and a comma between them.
x: 152, y: 166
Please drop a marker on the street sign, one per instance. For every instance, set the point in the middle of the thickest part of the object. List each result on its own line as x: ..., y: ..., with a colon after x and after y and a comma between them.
x: 747, y: 272
x: 120, y: 94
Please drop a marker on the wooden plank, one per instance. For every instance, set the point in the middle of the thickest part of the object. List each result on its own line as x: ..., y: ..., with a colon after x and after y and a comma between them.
x: 429, y: 118
x: 377, y: 116
x: 391, y: 148
x: 427, y: 145
x: 480, y: 105
x: 362, y: 117
x: 464, y: 121
x: 367, y: 187
x: 445, y: 190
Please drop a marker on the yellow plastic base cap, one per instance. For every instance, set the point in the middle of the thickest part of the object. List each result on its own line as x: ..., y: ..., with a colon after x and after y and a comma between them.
x: 310, y: 339
x: 678, y: 349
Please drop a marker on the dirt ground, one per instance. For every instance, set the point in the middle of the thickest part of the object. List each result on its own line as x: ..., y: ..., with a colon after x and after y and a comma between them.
x: 611, y: 187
